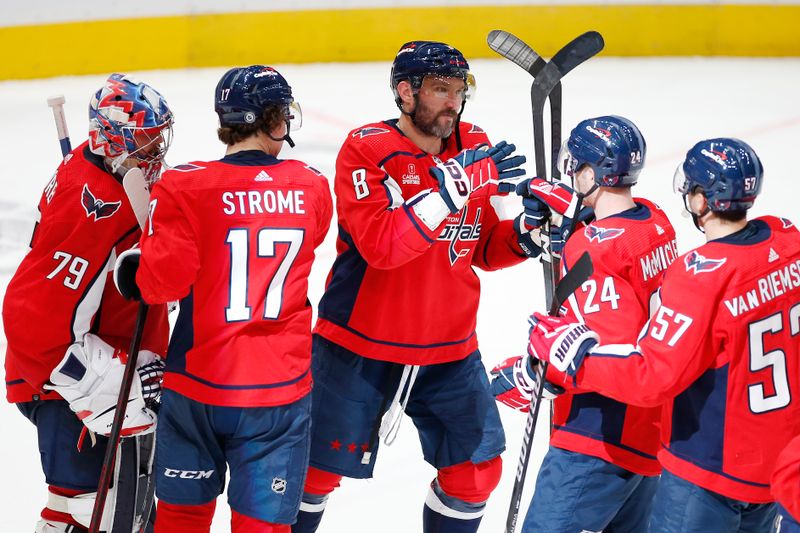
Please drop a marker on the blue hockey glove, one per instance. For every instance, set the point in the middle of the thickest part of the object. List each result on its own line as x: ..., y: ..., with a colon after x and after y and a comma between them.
x: 125, y: 274
x: 528, y: 241
x: 515, y: 382
x: 508, y: 168
x: 560, y: 234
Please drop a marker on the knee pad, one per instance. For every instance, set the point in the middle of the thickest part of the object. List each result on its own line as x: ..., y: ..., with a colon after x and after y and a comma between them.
x: 471, y: 482
x: 320, y: 482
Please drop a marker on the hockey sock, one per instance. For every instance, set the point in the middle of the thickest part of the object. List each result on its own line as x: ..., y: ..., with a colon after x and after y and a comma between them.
x: 247, y: 524
x: 310, y: 515
x: 446, y: 514
x: 319, y: 484
x: 184, y: 518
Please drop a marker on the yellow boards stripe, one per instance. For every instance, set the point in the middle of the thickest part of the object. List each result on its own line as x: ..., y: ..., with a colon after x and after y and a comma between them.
x: 376, y: 34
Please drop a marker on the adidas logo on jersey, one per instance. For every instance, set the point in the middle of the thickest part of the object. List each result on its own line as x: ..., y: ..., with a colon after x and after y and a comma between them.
x: 659, y: 230
x: 773, y: 256
x: 263, y: 176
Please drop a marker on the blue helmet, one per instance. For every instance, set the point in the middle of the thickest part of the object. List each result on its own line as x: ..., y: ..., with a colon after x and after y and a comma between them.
x: 728, y: 170
x: 243, y: 93
x: 417, y: 59
x: 128, y: 119
x: 612, y: 146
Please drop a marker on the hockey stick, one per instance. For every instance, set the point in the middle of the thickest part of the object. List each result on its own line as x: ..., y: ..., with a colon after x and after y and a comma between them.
x: 107, y: 471
x: 572, y: 280
x: 56, y: 103
x: 547, y: 82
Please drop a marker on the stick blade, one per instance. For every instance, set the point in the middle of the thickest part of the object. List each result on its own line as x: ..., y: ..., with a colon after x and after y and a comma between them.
x: 138, y: 193
x: 515, y: 50
x: 572, y: 280
x: 581, y: 48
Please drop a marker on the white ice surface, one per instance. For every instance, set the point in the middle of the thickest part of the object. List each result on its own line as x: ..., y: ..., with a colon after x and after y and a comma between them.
x: 675, y: 102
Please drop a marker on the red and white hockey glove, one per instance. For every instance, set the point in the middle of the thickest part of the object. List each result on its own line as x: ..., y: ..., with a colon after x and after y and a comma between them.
x: 90, y: 376
x: 539, y: 195
x: 561, y: 341
x: 515, y: 382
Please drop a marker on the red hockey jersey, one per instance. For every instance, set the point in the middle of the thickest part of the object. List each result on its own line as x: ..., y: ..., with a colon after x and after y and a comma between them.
x: 386, y: 291
x: 630, y: 252
x: 722, y: 355
x: 63, y: 288
x: 786, y: 478
x: 234, y: 240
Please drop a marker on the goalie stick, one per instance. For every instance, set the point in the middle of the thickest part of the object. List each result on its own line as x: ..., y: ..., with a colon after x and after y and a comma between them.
x: 138, y: 453
x: 572, y: 280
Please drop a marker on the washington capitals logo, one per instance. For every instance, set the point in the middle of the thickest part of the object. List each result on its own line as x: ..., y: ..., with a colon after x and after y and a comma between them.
x: 461, y: 232
x: 98, y: 208
x: 599, y: 235
x: 696, y: 262
x: 366, y: 132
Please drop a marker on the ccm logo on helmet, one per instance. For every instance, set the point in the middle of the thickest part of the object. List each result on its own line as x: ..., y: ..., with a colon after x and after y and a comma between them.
x: 188, y: 474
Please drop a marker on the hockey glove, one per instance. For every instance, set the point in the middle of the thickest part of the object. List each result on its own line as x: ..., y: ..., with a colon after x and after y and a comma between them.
x: 478, y: 169
x: 529, y: 240
x: 561, y: 341
x: 560, y: 234
x: 90, y: 376
x: 543, y: 196
x: 515, y: 382
x: 125, y: 274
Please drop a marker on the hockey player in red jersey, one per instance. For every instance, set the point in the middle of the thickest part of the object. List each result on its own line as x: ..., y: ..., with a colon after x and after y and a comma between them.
x: 721, y: 352
x: 415, y: 219
x: 234, y: 240
x: 66, y: 325
x: 600, y: 472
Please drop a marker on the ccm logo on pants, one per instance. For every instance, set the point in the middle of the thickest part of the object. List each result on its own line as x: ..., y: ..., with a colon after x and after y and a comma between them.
x: 188, y: 474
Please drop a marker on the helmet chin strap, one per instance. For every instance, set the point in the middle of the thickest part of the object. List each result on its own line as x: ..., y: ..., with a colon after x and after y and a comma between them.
x: 286, y: 137
x: 697, y: 216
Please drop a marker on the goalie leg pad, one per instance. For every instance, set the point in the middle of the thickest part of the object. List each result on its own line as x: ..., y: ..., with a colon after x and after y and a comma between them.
x: 77, y: 507
x: 471, y: 482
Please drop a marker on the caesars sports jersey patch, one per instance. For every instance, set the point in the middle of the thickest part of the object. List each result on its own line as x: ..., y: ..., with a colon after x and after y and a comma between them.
x: 366, y: 132
x: 697, y: 263
x: 595, y: 234
x: 95, y: 206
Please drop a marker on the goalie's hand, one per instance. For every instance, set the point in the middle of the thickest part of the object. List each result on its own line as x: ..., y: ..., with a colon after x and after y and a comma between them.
x: 561, y: 341
x: 515, y: 381
x: 125, y: 269
x: 90, y: 376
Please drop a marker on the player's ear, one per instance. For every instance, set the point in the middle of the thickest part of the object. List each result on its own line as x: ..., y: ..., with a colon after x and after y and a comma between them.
x: 406, y: 93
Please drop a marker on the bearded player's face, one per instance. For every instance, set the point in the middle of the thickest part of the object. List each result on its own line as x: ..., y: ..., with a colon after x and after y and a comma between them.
x: 438, y: 103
